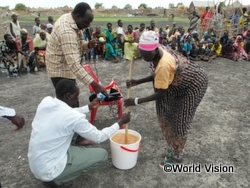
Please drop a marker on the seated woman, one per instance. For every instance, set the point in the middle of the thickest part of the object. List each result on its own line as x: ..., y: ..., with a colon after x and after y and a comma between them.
x: 100, y: 48
x: 25, y: 48
x: 112, y: 47
x: 40, y: 43
x: 239, y: 46
x: 217, y: 48
x: 9, y: 53
x: 209, y: 36
x: 229, y: 51
x: 131, y: 42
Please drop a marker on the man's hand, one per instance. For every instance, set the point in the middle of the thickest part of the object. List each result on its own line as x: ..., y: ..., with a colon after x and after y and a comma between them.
x: 124, y: 119
x: 17, y: 120
x: 94, y: 104
x: 99, y: 88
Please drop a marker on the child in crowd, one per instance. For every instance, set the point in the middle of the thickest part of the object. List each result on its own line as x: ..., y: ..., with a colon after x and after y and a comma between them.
x: 217, y: 48
x: 224, y: 39
x: 163, y: 41
x: 209, y: 55
x: 187, y: 47
x: 229, y: 51
x: 239, y: 46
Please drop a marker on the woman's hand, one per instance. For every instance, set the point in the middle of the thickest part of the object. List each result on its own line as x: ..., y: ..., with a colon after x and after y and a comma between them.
x: 131, y: 83
x: 129, y: 102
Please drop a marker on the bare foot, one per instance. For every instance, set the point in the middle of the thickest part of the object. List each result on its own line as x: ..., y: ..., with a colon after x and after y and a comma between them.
x: 115, y: 60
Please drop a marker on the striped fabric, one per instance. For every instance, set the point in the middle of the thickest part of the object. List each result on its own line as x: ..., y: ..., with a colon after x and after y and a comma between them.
x: 177, y: 108
x: 64, y: 51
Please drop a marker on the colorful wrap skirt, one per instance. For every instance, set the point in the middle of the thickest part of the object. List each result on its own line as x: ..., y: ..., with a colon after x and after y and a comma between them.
x: 176, y: 109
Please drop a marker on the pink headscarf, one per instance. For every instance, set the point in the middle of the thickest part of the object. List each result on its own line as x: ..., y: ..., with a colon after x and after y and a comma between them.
x: 149, y: 41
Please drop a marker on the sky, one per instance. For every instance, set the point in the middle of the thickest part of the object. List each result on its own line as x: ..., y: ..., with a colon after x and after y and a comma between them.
x: 106, y: 3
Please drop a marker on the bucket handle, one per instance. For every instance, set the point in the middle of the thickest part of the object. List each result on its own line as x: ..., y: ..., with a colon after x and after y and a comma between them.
x: 131, y: 150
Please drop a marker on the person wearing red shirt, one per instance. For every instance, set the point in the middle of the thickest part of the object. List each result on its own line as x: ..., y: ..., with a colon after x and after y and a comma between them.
x: 25, y: 48
x: 205, y: 18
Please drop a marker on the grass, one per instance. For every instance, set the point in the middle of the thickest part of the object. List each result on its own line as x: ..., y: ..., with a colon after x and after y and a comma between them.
x: 138, y: 19
x: 104, y: 19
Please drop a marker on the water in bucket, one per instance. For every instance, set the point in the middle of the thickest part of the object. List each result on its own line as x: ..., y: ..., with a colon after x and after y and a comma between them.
x: 124, y: 156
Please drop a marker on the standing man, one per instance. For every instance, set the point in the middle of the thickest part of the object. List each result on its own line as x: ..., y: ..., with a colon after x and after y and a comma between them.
x: 64, y: 51
x: 164, y: 13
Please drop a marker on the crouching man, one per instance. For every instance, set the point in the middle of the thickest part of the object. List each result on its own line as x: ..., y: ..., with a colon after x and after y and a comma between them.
x: 53, y: 158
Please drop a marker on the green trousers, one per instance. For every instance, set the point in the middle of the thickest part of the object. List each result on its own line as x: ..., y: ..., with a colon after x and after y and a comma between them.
x: 81, y: 160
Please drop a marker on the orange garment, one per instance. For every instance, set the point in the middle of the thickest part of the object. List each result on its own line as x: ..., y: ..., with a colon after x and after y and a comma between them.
x: 205, y: 18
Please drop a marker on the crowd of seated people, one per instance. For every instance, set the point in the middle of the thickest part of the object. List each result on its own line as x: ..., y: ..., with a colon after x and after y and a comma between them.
x: 20, y: 52
x: 28, y: 52
x: 208, y: 46
x: 122, y: 43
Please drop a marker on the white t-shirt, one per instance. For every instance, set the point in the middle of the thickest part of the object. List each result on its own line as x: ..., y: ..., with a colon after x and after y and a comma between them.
x: 119, y: 30
x: 52, y: 130
x: 36, y: 29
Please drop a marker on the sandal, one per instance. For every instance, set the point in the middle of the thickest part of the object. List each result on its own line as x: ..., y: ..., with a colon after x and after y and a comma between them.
x: 169, y: 155
x: 164, y: 162
x: 115, y: 61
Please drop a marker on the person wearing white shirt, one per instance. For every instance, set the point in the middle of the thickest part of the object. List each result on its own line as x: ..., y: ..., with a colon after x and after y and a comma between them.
x: 120, y: 34
x: 37, y: 26
x: 53, y: 158
x: 9, y: 114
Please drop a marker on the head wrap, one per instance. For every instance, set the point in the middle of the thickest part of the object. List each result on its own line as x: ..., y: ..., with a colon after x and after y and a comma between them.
x: 13, y: 14
x: 149, y: 41
x: 194, y: 32
x: 24, y: 31
x: 42, y: 31
x: 49, y: 26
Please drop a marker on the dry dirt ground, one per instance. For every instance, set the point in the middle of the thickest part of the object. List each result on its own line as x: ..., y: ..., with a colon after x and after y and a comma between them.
x: 219, y: 134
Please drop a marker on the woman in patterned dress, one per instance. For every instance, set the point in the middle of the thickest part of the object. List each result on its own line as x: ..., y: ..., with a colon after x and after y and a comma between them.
x: 179, y: 86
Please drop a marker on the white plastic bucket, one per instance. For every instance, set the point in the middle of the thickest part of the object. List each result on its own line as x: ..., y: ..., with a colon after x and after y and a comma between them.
x: 124, y: 156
